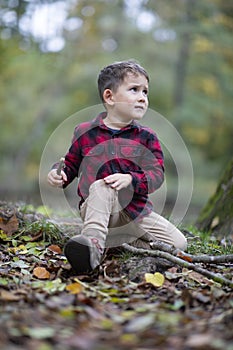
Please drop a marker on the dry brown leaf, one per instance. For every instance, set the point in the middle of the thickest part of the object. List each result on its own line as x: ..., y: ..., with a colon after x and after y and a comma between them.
x: 184, y: 257
x: 41, y: 273
x: 55, y: 249
x: 9, y: 226
x: 9, y: 296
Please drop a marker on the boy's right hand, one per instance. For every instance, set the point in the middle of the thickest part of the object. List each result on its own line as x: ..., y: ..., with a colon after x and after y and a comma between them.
x: 56, y: 180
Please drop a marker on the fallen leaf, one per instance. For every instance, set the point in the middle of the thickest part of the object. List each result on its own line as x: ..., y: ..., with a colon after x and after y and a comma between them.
x: 197, y: 341
x: 74, y: 288
x: 9, y: 296
x: 156, y: 279
x: 40, y: 332
x: 20, y: 264
x: 184, y: 257
x: 41, y: 273
x: 55, y: 249
x: 21, y: 249
x: 50, y: 287
x: 140, y: 323
x: 9, y: 226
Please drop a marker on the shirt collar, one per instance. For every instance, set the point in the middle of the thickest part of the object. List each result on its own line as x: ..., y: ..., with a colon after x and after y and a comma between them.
x: 98, y: 121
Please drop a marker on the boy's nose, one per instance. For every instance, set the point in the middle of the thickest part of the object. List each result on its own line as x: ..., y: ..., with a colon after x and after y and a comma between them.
x: 141, y: 97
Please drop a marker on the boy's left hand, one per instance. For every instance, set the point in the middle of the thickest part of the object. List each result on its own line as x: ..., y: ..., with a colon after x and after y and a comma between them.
x: 118, y: 180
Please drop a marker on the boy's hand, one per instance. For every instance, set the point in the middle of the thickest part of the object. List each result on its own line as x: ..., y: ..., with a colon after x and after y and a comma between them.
x: 56, y: 180
x: 118, y: 180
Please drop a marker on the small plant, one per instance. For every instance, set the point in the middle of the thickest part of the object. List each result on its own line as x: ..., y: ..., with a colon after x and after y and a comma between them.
x: 45, y: 230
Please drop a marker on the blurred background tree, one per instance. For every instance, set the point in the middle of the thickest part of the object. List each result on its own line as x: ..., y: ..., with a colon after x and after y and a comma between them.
x: 50, y: 56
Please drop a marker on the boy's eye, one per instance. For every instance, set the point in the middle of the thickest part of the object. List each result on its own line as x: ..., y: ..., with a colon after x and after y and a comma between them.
x: 135, y: 89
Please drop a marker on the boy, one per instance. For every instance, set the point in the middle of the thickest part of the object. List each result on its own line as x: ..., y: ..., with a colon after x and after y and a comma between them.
x: 119, y: 163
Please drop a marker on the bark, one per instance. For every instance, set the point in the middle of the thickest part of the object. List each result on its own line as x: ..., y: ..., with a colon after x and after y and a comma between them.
x: 217, y: 215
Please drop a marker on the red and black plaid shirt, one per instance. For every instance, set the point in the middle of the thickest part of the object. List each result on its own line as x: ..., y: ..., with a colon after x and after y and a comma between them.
x: 98, y: 151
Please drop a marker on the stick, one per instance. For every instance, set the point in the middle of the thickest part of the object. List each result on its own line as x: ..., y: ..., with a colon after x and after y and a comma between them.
x: 61, y: 165
x: 183, y: 263
x: 228, y: 258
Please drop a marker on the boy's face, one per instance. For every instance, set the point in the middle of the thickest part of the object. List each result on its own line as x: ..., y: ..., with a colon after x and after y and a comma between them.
x: 130, y: 100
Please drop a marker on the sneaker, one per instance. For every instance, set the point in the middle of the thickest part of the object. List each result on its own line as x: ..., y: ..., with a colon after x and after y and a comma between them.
x: 83, y: 253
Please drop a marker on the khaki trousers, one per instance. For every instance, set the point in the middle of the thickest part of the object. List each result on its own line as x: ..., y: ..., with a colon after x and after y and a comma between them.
x: 104, y: 219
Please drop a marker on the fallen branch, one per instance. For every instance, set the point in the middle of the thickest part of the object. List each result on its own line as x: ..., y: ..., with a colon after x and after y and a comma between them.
x: 183, y: 263
x: 218, y: 259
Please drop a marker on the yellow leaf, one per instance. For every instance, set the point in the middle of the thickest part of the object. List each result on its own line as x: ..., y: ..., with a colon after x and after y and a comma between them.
x: 21, y: 248
x: 157, y: 279
x: 74, y: 288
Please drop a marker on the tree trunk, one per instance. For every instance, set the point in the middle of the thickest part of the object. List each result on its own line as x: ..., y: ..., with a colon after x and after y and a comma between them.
x: 183, y: 55
x: 217, y: 215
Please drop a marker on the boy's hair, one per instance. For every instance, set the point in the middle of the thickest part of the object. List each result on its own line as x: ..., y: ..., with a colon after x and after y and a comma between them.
x: 112, y: 76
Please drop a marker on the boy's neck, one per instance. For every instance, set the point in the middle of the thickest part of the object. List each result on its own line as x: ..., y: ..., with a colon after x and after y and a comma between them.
x: 113, y: 122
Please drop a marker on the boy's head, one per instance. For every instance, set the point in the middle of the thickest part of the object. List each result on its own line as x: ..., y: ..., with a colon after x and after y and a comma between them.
x: 113, y: 75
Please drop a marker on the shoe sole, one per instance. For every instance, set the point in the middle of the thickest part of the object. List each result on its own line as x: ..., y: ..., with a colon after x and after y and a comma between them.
x: 78, y: 254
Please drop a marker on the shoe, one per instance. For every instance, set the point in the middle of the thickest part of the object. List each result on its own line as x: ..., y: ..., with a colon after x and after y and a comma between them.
x: 83, y: 253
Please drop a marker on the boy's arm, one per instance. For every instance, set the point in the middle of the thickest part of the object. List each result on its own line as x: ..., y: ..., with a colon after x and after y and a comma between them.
x: 151, y: 175
x: 72, y: 161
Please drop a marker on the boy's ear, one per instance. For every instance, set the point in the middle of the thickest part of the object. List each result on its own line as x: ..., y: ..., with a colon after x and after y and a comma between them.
x: 108, y: 96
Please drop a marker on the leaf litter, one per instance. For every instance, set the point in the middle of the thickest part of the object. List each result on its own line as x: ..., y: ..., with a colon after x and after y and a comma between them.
x: 43, y: 305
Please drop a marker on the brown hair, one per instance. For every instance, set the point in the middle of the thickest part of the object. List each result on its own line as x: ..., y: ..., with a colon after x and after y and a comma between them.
x: 110, y: 77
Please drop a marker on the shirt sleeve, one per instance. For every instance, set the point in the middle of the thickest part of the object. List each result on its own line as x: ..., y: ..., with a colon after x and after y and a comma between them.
x: 151, y: 175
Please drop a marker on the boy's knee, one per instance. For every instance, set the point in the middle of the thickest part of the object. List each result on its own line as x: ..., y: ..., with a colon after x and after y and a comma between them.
x: 96, y: 184
x: 102, y: 189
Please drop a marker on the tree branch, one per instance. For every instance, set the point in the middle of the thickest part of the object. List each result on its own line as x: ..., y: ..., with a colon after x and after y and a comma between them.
x: 219, y: 259
x: 183, y: 263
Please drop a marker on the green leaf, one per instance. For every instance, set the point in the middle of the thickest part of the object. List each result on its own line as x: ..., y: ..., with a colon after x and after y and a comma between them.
x: 21, y: 264
x: 4, y: 281
x: 4, y: 236
x: 49, y: 286
x: 40, y: 332
x: 116, y: 300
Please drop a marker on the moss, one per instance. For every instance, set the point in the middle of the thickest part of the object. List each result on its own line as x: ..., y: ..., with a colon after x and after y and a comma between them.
x: 217, y: 215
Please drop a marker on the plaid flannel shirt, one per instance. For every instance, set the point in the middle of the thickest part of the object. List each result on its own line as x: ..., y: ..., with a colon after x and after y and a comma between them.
x: 97, y: 151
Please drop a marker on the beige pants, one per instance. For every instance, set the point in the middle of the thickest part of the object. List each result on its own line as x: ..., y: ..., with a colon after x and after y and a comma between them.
x: 105, y: 220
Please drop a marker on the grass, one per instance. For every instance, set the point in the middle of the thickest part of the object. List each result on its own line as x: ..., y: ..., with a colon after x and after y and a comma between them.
x: 206, y: 243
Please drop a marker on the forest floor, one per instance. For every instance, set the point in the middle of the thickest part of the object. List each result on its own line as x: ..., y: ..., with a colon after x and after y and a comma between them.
x: 45, y: 306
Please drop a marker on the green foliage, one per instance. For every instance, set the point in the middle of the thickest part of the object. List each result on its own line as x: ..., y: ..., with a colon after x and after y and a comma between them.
x: 205, y: 243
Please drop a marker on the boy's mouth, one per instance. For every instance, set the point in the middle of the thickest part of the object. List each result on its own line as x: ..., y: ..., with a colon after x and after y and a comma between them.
x: 140, y: 107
